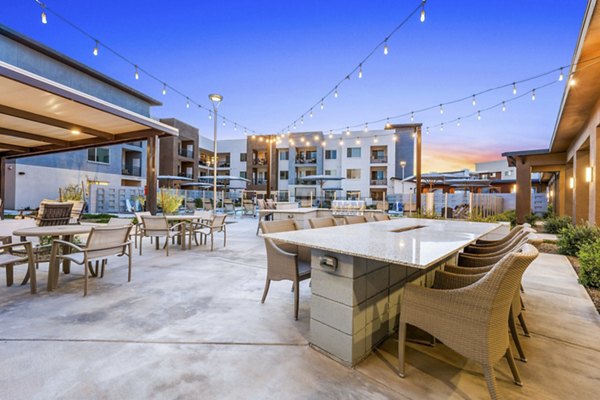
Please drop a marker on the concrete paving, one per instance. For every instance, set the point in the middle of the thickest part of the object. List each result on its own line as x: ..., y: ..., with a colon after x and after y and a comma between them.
x: 192, y: 326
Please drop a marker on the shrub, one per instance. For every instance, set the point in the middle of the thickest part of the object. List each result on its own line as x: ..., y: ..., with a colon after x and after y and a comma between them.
x: 169, y: 201
x: 589, y: 260
x: 198, y: 203
x: 98, y: 218
x: 554, y: 224
x: 71, y: 193
x: 573, y: 237
x: 532, y: 218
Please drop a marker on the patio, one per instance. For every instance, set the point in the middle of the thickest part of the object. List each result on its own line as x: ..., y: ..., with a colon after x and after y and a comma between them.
x: 191, y: 325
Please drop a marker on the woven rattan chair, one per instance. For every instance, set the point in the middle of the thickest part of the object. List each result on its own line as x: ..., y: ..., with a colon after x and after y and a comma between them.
x: 53, y: 213
x: 157, y: 227
x: 9, y: 258
x: 323, y: 222
x: 381, y: 217
x: 498, y: 248
x: 470, y: 320
x: 216, y: 224
x: 285, y: 261
x: 505, y: 239
x: 355, y: 219
x: 102, y: 243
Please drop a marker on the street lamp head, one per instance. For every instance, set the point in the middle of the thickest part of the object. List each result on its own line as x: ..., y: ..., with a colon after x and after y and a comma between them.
x: 215, y: 98
x: 403, y: 164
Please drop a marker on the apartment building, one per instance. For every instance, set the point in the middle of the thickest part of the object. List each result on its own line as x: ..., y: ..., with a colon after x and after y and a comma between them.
x: 179, y: 155
x: 231, y: 159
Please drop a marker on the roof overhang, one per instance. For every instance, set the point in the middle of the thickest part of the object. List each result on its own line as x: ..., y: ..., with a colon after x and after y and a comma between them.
x: 39, y: 116
x: 579, y: 100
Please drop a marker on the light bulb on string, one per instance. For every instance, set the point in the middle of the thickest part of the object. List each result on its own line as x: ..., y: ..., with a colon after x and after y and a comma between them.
x: 360, y: 71
x: 385, y: 48
x: 235, y: 127
x: 210, y: 115
x: 503, y: 106
x: 307, y: 143
x: 302, y: 120
x: 95, y: 52
x: 335, y: 94
x: 341, y: 142
x: 330, y: 134
x: 422, y: 18
x: 479, y: 115
x: 164, y: 91
x: 302, y: 139
x: 441, y: 108
x: 442, y: 127
x: 514, y: 88
x: 387, y: 123
x: 44, y: 18
x: 357, y: 141
x: 533, y: 95
x: 458, y: 122
x: 474, y: 102
x: 366, y: 127
x: 322, y: 104
x: 412, y: 117
x: 224, y: 122
x: 187, y: 102
x: 323, y: 143
x: 426, y: 131
x: 395, y: 137
x: 311, y: 113
x: 561, y: 76
x: 137, y: 74
x: 347, y: 131
x: 571, y: 80
x: 375, y: 139
x: 316, y: 137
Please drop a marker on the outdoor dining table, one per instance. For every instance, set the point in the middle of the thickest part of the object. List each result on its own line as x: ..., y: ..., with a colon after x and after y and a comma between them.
x: 359, y: 271
x: 66, y: 232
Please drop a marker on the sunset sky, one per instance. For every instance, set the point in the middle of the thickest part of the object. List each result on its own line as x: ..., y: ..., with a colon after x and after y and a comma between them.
x: 272, y: 60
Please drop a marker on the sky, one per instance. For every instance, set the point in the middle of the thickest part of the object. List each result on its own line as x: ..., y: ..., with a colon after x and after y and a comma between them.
x: 271, y: 60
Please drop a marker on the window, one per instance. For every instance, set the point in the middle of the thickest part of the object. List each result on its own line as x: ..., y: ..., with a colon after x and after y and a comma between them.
x: 243, y: 174
x: 329, y: 172
x: 99, y: 155
x: 353, y: 194
x: 243, y: 157
x: 330, y: 154
x: 284, y: 155
x: 353, y: 152
x: 353, y: 173
x: 283, y: 175
x: 508, y: 173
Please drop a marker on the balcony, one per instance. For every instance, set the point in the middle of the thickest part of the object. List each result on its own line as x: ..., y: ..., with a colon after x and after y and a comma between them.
x: 260, y: 162
x: 379, y: 159
x: 310, y: 161
x: 224, y: 164
x: 131, y: 171
x: 300, y: 181
x: 186, y: 175
x: 378, y: 182
x: 188, y: 153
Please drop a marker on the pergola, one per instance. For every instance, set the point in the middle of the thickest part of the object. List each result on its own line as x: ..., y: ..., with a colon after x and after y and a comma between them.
x: 40, y: 116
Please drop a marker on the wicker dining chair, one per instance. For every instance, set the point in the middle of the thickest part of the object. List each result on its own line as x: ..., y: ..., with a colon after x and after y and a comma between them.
x: 497, y: 248
x: 505, y: 239
x: 215, y: 224
x: 9, y: 258
x: 355, y: 219
x: 381, y: 217
x: 103, y: 242
x: 285, y: 261
x: 322, y: 222
x: 470, y: 320
x: 157, y: 227
x: 54, y: 213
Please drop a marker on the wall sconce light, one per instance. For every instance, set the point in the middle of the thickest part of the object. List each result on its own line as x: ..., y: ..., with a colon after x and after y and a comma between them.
x: 589, y: 174
x: 514, y: 188
x: 571, y: 183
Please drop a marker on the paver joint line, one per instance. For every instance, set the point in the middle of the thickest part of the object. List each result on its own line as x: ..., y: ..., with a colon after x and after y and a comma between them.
x: 209, y: 343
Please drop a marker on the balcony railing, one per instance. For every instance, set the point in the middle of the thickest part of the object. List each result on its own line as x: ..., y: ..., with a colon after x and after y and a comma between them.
x: 379, y: 160
x: 378, y: 182
x: 260, y: 161
x: 186, y: 175
x: 189, y: 153
x: 299, y: 181
x: 224, y: 164
x: 131, y: 171
x: 306, y: 161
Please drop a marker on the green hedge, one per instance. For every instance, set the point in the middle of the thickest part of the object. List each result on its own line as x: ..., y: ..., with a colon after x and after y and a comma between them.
x: 589, y: 260
x: 554, y: 224
x: 573, y: 237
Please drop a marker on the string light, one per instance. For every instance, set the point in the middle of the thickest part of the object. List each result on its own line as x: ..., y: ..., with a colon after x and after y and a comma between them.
x: 503, y: 106
x: 307, y: 143
x: 95, y: 52
x: 253, y: 136
x: 375, y: 139
x: 44, y: 17
x: 395, y: 137
x: 187, y: 104
x: 441, y: 108
x: 572, y: 81
x: 514, y: 88
x: 426, y: 131
x: 458, y: 122
x: 324, y: 143
x: 302, y: 139
x: 302, y: 120
x: 224, y: 122
x: 561, y: 76
x: 474, y: 102
x: 322, y: 104
x: 316, y: 137
x: 385, y: 48
x: 235, y: 127
x: 347, y: 131
x: 533, y: 95
x: 442, y: 127
x: 335, y: 94
x: 210, y: 115
x: 164, y: 91
x: 412, y: 117
x: 357, y: 141
x: 366, y: 127
x: 330, y: 134
x: 341, y: 142
x: 311, y: 113
x: 360, y: 71
x: 423, y: 11
x: 137, y: 74
x: 479, y: 115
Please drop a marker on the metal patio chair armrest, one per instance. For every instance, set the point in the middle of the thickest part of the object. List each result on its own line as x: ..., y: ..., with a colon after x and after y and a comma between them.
x: 68, y: 244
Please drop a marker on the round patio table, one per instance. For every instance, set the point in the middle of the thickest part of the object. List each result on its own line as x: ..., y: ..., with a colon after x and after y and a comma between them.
x: 182, y: 227
x: 55, y: 232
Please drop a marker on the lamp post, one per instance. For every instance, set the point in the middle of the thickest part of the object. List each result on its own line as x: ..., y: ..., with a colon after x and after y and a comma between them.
x: 403, y: 164
x: 216, y: 100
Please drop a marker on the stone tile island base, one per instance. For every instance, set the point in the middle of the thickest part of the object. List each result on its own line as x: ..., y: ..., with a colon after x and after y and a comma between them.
x: 356, y: 306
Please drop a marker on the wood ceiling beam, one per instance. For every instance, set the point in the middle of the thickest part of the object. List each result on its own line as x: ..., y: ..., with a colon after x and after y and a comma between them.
x: 33, y: 136
x: 13, y: 147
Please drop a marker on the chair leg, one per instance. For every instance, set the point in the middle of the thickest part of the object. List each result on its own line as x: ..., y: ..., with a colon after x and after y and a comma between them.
x: 104, y: 262
x: 513, y: 332
x: 523, y: 325
x: 224, y: 237
x: 401, y: 348
x: 267, y: 285
x: 32, y: 277
x: 513, y: 367
x: 141, y: 241
x: 85, y: 279
x: 129, y: 263
x: 212, y: 241
x: 296, y: 298
x: 490, y: 379
x: 522, y: 302
x: 9, y: 274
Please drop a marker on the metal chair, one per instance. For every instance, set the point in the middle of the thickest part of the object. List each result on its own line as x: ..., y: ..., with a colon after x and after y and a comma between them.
x: 323, y: 222
x: 8, y: 260
x: 157, y: 227
x: 355, y: 219
x: 249, y: 208
x: 138, y: 226
x: 54, y: 213
x: 285, y: 261
x: 102, y: 243
x: 215, y: 225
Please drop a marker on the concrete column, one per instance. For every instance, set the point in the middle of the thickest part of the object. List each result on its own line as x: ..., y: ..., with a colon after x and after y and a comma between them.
x: 581, y: 198
x: 560, y: 192
x: 569, y: 191
x: 523, y: 194
x: 594, y: 186
x: 2, y: 185
x: 151, y: 182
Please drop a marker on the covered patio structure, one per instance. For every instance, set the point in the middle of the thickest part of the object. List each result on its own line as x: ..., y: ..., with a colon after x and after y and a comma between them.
x: 50, y: 103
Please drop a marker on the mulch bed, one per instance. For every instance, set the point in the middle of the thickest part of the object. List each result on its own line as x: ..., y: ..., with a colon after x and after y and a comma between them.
x: 551, y: 248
